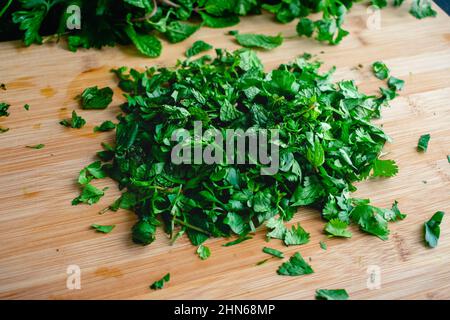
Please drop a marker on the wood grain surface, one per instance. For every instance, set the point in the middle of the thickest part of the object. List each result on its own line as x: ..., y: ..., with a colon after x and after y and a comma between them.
x: 41, y: 234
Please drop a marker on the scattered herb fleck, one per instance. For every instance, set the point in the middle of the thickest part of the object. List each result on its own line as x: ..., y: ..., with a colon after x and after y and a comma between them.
x: 423, y: 142
x: 4, y: 109
x: 160, y: 283
x: 103, y: 229
x: 37, y: 146
x: 273, y: 252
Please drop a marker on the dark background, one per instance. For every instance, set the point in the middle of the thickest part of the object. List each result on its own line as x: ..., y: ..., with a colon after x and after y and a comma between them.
x: 444, y: 4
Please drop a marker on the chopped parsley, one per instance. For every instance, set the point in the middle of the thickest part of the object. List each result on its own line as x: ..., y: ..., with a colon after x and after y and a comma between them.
x: 296, y: 266
x: 273, y: 252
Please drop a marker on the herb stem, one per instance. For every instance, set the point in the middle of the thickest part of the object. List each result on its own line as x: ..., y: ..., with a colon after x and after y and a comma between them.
x: 190, y: 226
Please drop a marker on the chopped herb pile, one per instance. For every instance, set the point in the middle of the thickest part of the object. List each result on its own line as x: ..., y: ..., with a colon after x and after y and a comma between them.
x: 432, y: 229
x: 106, y: 23
x: 334, y: 294
x: 160, y: 283
x: 326, y: 142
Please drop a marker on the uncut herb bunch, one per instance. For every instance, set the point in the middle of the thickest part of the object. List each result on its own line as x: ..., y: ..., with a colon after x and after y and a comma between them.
x: 326, y: 142
x: 99, y: 23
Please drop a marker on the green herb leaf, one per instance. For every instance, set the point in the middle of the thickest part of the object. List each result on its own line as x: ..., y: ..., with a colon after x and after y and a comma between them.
x: 273, y: 252
x: 4, y: 109
x: 423, y: 142
x: 26, y: 107
x: 337, y: 228
x: 334, y: 294
x: 89, y: 195
x: 237, y: 241
x: 95, y: 98
x: 92, y: 171
x: 146, y: 44
x: 105, y: 126
x: 296, y: 236
x: 37, y: 146
x: 179, y: 31
x: 203, y: 252
x: 160, y: 283
x: 250, y: 40
x: 296, y: 266
x: 422, y: 9
x: 380, y: 70
x: 323, y: 245
x: 395, y: 83
x: 198, y: 47
x: 432, y: 229
x: 384, y: 168
x: 103, y: 229
x: 76, y: 121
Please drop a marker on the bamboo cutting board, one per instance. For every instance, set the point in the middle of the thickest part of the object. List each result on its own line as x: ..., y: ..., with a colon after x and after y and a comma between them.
x: 41, y: 234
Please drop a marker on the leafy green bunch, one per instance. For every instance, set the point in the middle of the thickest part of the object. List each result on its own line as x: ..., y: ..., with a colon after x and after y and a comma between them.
x: 107, y: 22
x: 326, y: 143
